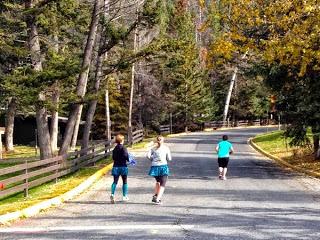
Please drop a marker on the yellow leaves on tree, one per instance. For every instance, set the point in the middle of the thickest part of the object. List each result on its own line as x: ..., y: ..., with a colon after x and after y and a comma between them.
x: 281, y: 31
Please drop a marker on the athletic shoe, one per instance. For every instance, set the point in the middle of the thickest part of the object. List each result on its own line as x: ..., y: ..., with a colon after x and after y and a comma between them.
x: 154, y: 198
x: 158, y: 202
x: 112, y: 198
x: 224, y: 178
x: 125, y: 199
x: 220, y: 177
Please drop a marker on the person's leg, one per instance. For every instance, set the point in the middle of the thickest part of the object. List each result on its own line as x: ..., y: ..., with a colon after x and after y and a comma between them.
x: 113, y: 187
x: 224, y: 173
x: 220, y: 160
x: 157, y: 186
x: 163, y: 181
x: 124, y: 185
x: 225, y: 168
x: 114, y: 184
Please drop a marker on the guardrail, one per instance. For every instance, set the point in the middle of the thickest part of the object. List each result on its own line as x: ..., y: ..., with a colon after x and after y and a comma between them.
x: 164, y: 129
x: 32, y: 173
x: 137, y: 136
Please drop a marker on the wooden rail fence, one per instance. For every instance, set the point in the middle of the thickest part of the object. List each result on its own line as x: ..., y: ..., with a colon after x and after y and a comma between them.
x: 137, y: 136
x: 164, y: 129
x: 32, y: 173
x: 241, y: 123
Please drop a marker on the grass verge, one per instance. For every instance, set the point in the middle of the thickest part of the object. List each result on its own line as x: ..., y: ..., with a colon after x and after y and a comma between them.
x: 49, y: 190
x: 21, y: 151
x: 275, y: 144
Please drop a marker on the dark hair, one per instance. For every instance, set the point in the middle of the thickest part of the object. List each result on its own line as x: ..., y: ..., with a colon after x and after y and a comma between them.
x: 224, y: 137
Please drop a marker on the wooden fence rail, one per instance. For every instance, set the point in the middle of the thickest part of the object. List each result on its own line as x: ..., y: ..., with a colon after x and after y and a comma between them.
x: 241, y: 123
x: 31, y: 173
x: 137, y: 136
x: 164, y: 129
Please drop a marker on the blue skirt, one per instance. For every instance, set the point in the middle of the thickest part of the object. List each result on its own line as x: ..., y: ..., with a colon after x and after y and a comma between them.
x: 117, y: 171
x: 156, y: 171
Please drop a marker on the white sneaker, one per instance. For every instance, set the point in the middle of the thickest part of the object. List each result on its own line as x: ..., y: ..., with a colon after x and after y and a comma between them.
x: 224, y: 178
x: 125, y: 199
x: 112, y: 198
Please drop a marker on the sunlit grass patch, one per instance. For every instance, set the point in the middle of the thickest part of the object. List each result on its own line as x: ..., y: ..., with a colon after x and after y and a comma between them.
x: 275, y: 144
x: 21, y: 151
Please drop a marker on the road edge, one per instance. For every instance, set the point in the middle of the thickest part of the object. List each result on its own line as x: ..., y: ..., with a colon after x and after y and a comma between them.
x: 33, y: 210
x: 282, y: 162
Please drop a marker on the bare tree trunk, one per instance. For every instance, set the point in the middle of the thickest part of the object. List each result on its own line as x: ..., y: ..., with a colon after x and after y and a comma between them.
x: 11, y: 111
x: 43, y: 131
x: 107, y: 103
x: 98, y: 77
x: 130, y: 105
x: 135, y: 46
x: 108, y: 121
x: 92, y: 106
x: 41, y: 112
x: 83, y: 78
x: 226, y: 106
x: 316, y: 146
x: 316, y: 141
x: 233, y: 79
x: 76, y: 128
x: 54, y: 128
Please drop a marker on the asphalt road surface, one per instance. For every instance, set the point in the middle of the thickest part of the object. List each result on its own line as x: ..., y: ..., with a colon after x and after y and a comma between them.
x: 258, y: 201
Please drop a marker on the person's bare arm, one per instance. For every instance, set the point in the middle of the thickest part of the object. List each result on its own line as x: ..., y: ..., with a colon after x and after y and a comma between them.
x: 231, y: 150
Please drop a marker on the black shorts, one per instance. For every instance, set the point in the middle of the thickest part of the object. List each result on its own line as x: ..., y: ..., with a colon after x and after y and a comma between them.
x: 223, y: 162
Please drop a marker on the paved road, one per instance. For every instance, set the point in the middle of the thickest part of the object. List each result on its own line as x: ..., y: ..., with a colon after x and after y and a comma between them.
x: 258, y: 201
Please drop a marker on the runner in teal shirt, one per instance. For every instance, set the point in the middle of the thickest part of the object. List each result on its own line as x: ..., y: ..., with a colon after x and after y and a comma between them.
x: 224, y: 149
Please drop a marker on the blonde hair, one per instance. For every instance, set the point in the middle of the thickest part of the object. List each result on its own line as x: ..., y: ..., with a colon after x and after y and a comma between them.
x: 119, y: 138
x: 159, y: 139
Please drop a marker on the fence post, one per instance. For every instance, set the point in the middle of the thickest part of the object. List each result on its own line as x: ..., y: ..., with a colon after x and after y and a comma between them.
x: 93, y: 156
x: 57, y: 170
x: 130, y: 136
x: 170, y: 123
x: 106, y: 147
x: 36, y: 141
x: 26, y: 181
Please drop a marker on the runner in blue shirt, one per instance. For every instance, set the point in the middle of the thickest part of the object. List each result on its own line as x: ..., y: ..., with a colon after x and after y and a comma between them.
x: 224, y: 148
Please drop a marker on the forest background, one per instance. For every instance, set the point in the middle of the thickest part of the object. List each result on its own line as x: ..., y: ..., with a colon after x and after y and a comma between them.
x: 121, y: 65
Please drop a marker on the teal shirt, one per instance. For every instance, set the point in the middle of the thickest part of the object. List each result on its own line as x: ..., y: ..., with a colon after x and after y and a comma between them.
x: 224, y: 149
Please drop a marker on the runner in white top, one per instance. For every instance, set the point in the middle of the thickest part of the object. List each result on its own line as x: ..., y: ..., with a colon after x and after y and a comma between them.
x: 159, y: 157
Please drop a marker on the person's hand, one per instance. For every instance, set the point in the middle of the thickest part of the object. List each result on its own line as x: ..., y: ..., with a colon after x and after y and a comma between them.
x: 149, y: 145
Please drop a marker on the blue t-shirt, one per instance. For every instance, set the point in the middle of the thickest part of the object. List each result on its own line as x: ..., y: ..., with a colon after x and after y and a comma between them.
x: 224, y: 149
